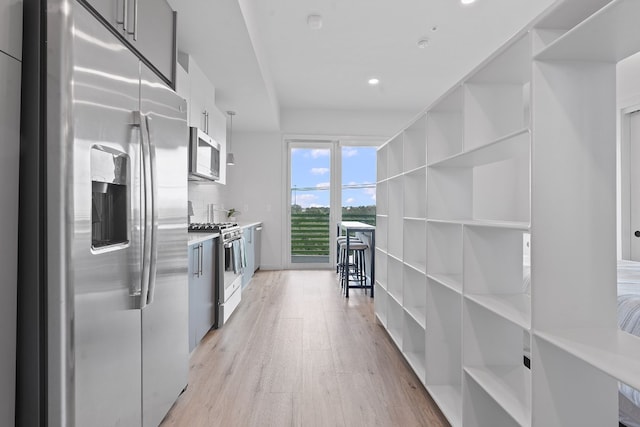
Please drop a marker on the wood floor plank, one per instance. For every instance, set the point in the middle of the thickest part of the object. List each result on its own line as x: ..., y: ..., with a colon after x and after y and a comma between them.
x: 297, y: 353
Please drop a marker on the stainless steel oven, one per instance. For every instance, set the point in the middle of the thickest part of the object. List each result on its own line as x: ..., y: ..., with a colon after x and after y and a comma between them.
x: 233, y: 259
x: 231, y: 263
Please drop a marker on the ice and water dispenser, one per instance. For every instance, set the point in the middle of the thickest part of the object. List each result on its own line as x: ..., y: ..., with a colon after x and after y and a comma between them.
x: 109, y: 197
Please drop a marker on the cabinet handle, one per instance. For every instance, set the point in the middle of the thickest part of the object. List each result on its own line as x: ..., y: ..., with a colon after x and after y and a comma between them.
x: 200, y: 256
x: 196, y: 261
x: 134, y: 33
x: 125, y: 12
x: 206, y: 121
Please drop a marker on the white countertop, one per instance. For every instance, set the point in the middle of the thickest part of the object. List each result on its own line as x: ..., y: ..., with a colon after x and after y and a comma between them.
x: 198, y: 237
x: 249, y: 224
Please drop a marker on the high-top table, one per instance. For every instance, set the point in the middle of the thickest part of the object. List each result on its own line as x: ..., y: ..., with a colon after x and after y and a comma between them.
x: 353, y: 227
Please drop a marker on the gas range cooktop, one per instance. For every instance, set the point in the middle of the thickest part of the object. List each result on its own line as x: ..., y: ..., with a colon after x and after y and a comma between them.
x: 211, y: 227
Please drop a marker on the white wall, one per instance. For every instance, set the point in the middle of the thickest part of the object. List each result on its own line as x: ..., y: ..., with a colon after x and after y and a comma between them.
x: 205, y: 195
x: 628, y: 95
x: 345, y: 122
x: 255, y: 188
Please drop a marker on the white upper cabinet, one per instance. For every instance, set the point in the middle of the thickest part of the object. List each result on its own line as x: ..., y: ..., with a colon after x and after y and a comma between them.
x: 197, y: 89
x: 11, y: 27
x: 148, y: 25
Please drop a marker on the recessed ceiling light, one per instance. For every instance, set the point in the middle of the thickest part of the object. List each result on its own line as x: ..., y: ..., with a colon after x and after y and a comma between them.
x: 373, y: 81
x: 434, y: 28
x: 423, y: 43
x: 314, y: 21
x: 467, y: 1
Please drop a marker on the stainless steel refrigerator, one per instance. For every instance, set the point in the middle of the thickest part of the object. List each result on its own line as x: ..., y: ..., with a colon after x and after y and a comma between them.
x: 103, y: 299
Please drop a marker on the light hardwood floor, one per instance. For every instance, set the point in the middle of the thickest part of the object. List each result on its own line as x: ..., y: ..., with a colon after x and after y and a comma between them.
x: 297, y: 353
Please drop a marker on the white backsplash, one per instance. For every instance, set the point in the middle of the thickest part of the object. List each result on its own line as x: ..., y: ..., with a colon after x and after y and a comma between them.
x: 208, y: 202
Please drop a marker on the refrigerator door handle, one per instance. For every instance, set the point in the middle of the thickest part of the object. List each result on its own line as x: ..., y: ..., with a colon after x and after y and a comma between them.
x: 153, y: 189
x: 139, y: 120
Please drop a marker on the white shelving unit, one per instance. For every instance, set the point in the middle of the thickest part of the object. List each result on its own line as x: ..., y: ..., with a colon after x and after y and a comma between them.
x: 524, y: 147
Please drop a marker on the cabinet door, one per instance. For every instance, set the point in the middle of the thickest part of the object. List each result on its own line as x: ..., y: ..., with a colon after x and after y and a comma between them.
x: 155, y: 32
x: 11, y: 27
x: 194, y: 280
x: 205, y: 309
x: 112, y: 11
x: 202, y: 97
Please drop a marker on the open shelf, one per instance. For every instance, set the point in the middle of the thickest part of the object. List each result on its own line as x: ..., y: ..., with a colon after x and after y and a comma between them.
x: 395, y: 269
x: 396, y: 215
x: 611, y: 351
x: 481, y: 410
x: 381, y: 304
x: 493, y: 356
x: 452, y: 282
x: 449, y: 400
x: 609, y: 35
x: 567, y: 390
x: 415, y: 243
x: 382, y: 198
x: 413, y: 341
x: 395, y: 320
x: 444, y: 127
x: 449, y: 193
x: 395, y: 156
x: 515, y: 308
x: 493, y: 264
x: 415, y: 191
x: 504, y: 384
x: 507, y: 147
x: 444, y: 349
x: 415, y: 294
x: 382, y: 229
x: 444, y: 253
x: 510, y: 225
x: 381, y: 267
x: 382, y: 163
x: 415, y: 144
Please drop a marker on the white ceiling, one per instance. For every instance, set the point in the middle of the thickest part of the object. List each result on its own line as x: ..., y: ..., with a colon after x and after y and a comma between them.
x: 264, y: 59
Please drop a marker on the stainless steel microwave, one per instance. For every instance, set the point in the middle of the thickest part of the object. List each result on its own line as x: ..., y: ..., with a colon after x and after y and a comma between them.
x: 204, y: 156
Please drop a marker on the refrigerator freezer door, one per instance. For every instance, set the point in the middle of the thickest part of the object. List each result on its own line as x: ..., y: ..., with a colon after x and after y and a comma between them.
x: 9, y: 129
x: 106, y: 277
x: 165, y: 320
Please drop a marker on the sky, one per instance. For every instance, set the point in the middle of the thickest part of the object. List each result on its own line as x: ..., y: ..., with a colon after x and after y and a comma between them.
x: 310, y: 176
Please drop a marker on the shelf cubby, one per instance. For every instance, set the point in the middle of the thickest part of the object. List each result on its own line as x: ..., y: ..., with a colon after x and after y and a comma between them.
x: 415, y: 144
x: 382, y: 198
x: 382, y: 229
x: 493, y: 357
x: 413, y: 342
x: 493, y: 272
x: 497, y: 97
x: 415, y: 194
x: 609, y: 35
x: 449, y: 193
x: 481, y: 410
x: 571, y: 391
x: 415, y: 294
x: 415, y: 243
x: 444, y: 127
x: 382, y: 163
x: 395, y: 280
x: 395, y: 155
x: 444, y: 254
x: 396, y: 215
x: 381, y: 304
x: 395, y: 320
x: 381, y: 267
x: 492, y: 181
x: 444, y: 349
